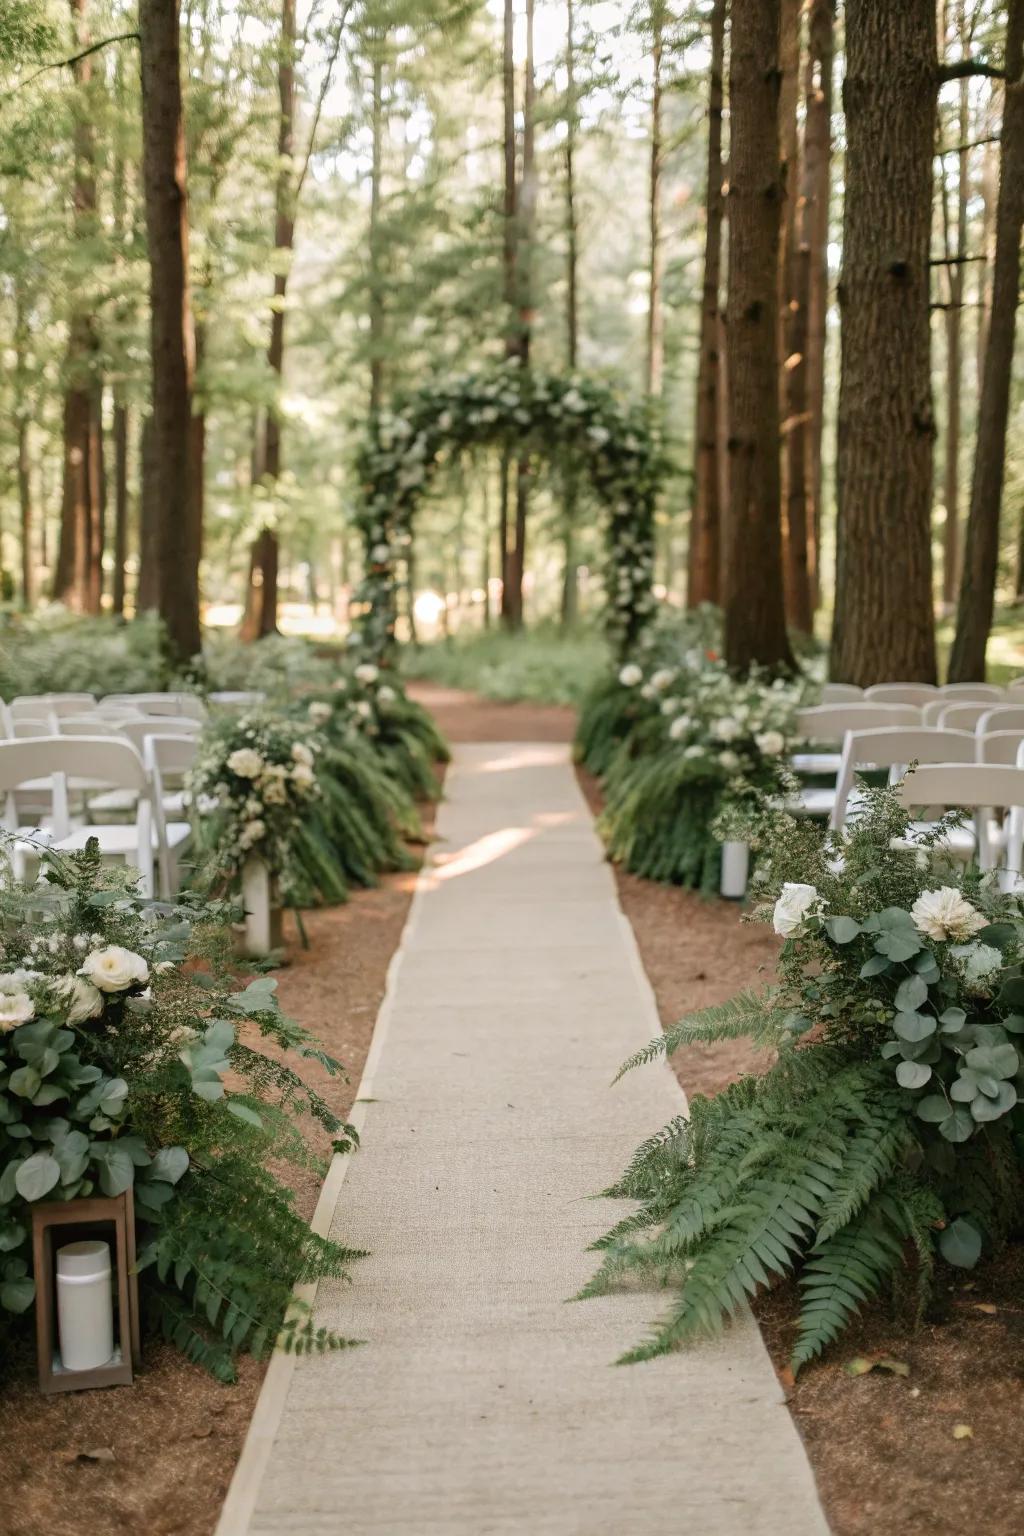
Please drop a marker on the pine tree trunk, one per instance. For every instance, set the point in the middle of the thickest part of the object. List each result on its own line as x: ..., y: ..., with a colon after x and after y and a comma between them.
x: 815, y: 188
x: 376, y: 302
x: 93, y: 574
x: 163, y: 160
x: 981, y: 546
x: 655, y: 325
x: 509, y: 240
x: 570, y: 578
x: 527, y: 222
x: 795, y: 285
x: 71, y: 584
x: 25, y: 508
x: 147, y: 596
x: 121, y: 429
x: 884, y: 623
x: 260, y: 618
x: 704, y: 556
x: 755, y: 623
x: 954, y: 358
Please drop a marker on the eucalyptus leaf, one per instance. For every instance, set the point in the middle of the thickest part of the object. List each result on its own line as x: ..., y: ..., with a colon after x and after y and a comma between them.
x: 960, y: 1243
x: 995, y: 1060
x: 36, y: 1176
x: 914, y: 1026
x: 912, y: 1074
x: 911, y: 993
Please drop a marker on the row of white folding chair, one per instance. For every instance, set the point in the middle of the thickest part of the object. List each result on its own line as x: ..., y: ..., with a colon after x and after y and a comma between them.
x: 910, y: 693
x: 160, y: 703
x: 977, y: 787
x: 118, y: 765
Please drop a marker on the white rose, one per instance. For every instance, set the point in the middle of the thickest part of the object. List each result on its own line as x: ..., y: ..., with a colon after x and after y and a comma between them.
x: 794, y: 906
x: 366, y: 672
x: 944, y: 914
x: 252, y: 832
x: 729, y: 761
x: 302, y: 754
x: 386, y: 695
x: 114, y: 969
x: 82, y: 1000
x: 679, y: 727
x: 671, y: 706
x: 980, y: 963
x: 364, y: 709
x: 15, y: 1008
x: 771, y: 743
x: 694, y: 751
x: 303, y: 775
x: 662, y: 678
x: 320, y: 713
x: 725, y: 729
x: 246, y: 763
x: 630, y: 675
x: 275, y: 793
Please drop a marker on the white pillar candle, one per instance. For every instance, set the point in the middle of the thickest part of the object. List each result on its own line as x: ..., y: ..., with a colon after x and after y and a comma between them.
x: 85, y: 1305
x: 257, y: 898
x: 735, y: 870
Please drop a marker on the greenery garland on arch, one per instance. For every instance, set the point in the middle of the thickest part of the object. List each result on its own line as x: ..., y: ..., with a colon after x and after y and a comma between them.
x: 570, y: 418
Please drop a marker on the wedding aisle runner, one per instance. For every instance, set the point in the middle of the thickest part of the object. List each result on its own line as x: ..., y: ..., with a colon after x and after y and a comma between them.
x: 481, y: 1402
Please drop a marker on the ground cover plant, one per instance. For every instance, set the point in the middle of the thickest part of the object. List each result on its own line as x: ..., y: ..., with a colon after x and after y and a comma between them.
x: 544, y: 665
x: 133, y: 1059
x: 885, y: 1140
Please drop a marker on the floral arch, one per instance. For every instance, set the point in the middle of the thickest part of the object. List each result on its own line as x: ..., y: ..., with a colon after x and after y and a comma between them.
x: 575, y: 419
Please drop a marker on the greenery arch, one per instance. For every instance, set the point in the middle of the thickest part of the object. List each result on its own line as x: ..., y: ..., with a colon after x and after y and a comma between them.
x: 570, y: 418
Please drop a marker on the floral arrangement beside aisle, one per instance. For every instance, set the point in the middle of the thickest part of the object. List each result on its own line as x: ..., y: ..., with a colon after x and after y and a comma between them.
x: 319, y: 817
x: 886, y: 1139
x: 369, y: 702
x: 120, y: 1028
x: 693, y: 745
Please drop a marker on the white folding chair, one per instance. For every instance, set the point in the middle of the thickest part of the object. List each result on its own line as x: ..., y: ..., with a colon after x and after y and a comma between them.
x: 168, y: 759
x: 998, y: 746
x: 841, y: 693
x: 26, y: 773
x: 962, y: 717
x: 161, y: 703
x: 966, y: 691
x: 829, y: 723
x: 114, y: 764
x: 978, y: 787
x: 36, y: 704
x: 120, y: 803
x: 237, y: 699
x: 94, y: 724
x: 901, y: 693
x: 894, y: 747
x: 1005, y: 717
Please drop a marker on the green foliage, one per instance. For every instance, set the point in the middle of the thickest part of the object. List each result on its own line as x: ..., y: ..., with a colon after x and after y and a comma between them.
x: 57, y: 650
x: 122, y: 1068
x: 544, y: 665
x: 887, y: 1135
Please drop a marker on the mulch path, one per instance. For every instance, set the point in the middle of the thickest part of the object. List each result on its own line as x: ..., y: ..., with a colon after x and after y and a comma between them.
x: 890, y: 1451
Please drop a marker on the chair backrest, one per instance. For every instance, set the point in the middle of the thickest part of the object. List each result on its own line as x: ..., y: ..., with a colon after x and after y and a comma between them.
x: 894, y: 747
x: 162, y: 703
x: 34, y: 705
x: 971, y: 786
x: 999, y: 746
x: 85, y: 725
x: 237, y: 699
x: 1005, y: 717
x: 31, y: 762
x: 840, y: 693
x: 1015, y: 685
x: 901, y: 693
x: 22, y: 726
x: 830, y: 722
x: 963, y: 717
x: 138, y: 731
x: 957, y: 691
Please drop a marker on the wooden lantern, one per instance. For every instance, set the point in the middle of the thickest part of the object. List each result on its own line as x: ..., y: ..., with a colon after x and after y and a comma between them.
x: 73, y: 1220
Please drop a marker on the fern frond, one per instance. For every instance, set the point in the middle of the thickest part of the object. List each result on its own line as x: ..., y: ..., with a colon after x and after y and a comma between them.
x: 843, y: 1272
x: 750, y: 1013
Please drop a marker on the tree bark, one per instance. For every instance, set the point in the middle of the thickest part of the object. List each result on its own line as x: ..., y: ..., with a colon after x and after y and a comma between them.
x: 816, y: 181
x: 981, y: 546
x: 884, y: 623
x: 570, y: 578
x: 655, y: 320
x: 527, y: 222
x: 71, y: 584
x: 704, y: 556
x: 121, y: 430
x: 955, y: 289
x: 260, y: 618
x: 22, y: 413
x: 509, y: 234
x: 92, y: 576
x: 147, y: 595
x: 163, y: 160
x: 795, y: 284
x: 755, y: 622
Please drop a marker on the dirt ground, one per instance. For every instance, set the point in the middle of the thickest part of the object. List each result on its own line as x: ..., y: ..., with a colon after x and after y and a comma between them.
x: 927, y: 1453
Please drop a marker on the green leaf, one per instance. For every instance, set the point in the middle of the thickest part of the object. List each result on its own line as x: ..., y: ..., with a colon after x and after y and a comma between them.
x: 960, y: 1243
x: 959, y: 1126
x: 875, y: 965
x: 842, y: 930
x: 914, y: 1026
x: 36, y: 1176
x: 952, y: 1020
x: 242, y: 1111
x: 169, y: 1164
x: 1001, y: 936
x: 994, y: 1060
x: 912, y: 1074
x: 933, y: 1109
x: 25, y: 1082
x: 17, y: 1295
x: 117, y: 1170
x: 985, y: 1108
x: 911, y: 993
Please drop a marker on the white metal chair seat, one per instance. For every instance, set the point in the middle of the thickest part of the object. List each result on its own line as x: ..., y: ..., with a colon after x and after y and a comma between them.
x: 813, y: 802
x: 808, y: 763
x: 977, y: 787
x: 119, y: 840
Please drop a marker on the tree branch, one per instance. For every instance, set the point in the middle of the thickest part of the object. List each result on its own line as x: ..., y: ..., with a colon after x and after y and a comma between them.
x: 76, y: 58
x: 967, y: 69
x: 962, y: 149
x: 325, y: 85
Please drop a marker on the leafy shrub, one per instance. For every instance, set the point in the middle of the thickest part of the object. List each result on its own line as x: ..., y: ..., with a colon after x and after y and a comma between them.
x: 58, y: 651
x: 542, y: 665
x: 887, y: 1134
x: 367, y: 703
x: 119, y: 1025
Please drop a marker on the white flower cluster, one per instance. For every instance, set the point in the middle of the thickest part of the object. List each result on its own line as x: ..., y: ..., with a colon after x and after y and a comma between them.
x: 75, y: 997
x: 259, y: 775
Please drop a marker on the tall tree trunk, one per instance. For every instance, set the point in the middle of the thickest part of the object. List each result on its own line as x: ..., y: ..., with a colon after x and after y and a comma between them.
x: 955, y: 288
x: 163, y: 163
x: 121, y: 431
x: 527, y: 222
x: 884, y: 623
x: 794, y: 283
x: 570, y: 578
x: 93, y: 575
x: 981, y: 546
x: 755, y: 621
x: 655, y: 319
x: 147, y: 595
x: 71, y: 583
x: 817, y: 164
x: 704, y: 559
x: 22, y: 413
x: 260, y: 618
x: 511, y: 286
